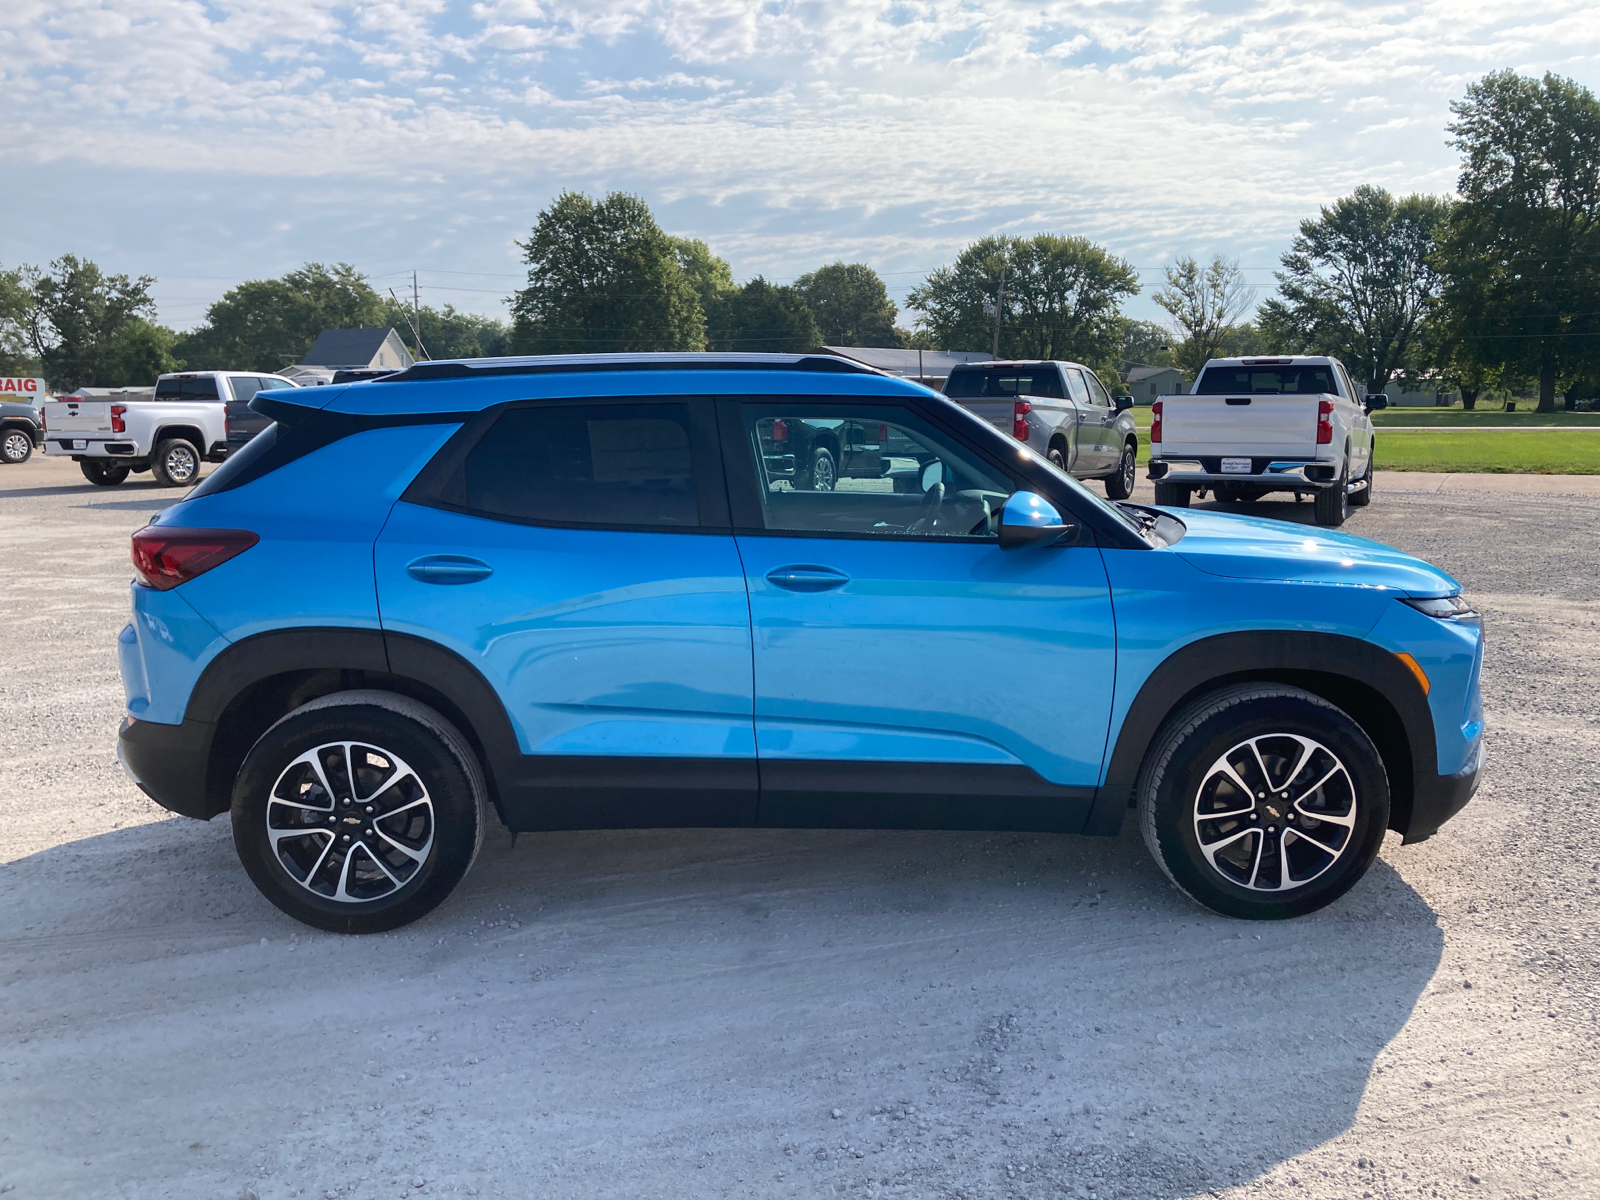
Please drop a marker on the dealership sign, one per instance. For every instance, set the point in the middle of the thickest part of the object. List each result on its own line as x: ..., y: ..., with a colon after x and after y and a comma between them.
x: 28, y: 391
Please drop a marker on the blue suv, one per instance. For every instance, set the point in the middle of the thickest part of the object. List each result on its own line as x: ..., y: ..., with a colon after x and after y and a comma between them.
x: 618, y: 591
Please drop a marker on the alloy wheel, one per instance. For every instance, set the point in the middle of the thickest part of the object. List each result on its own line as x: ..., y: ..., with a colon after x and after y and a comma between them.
x: 1127, y: 471
x: 822, y: 476
x: 181, y: 464
x: 1275, y: 812
x: 350, y: 822
x: 16, y: 446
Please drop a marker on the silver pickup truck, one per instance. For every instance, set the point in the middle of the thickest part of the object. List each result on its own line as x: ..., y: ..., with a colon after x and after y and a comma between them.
x: 1061, y: 409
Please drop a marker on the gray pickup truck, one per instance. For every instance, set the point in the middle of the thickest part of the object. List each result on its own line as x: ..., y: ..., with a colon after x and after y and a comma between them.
x: 1060, y: 409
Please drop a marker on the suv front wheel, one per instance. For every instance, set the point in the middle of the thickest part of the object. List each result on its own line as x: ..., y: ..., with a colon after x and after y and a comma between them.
x: 1263, y: 801
x: 359, y: 812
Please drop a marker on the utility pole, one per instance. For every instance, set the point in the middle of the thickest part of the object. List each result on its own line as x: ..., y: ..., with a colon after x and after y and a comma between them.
x: 999, y: 309
x: 416, y: 314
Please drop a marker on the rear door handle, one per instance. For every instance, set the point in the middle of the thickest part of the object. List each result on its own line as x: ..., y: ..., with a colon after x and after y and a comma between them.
x: 448, y: 568
x: 807, y: 578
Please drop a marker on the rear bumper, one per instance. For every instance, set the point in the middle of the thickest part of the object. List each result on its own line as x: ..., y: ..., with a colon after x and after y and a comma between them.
x: 1437, y: 798
x: 1265, y: 475
x: 91, y: 447
x: 168, y: 762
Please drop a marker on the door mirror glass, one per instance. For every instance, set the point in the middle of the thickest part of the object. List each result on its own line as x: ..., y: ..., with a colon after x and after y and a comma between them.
x: 1124, y: 403
x: 1377, y: 400
x: 1030, y: 520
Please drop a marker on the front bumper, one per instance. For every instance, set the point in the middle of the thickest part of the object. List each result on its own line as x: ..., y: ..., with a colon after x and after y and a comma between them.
x: 168, y: 762
x: 1437, y: 798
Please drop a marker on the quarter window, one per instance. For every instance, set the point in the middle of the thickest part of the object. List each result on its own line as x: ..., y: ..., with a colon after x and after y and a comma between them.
x: 1097, y: 390
x: 619, y: 465
x: 869, y: 471
x: 1080, y: 390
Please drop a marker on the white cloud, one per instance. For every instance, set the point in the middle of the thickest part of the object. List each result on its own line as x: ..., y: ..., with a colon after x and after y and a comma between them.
x: 783, y: 131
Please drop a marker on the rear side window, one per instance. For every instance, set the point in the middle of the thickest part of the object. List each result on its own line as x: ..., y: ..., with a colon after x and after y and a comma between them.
x: 628, y: 465
x: 188, y: 387
x: 1265, y: 380
x: 974, y: 383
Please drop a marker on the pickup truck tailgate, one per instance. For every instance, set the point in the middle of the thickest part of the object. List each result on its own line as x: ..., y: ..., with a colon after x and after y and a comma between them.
x: 77, y: 416
x: 1257, y: 425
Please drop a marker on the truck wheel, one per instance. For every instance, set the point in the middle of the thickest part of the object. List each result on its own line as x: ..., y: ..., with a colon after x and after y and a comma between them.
x: 1119, y: 485
x: 15, y: 447
x: 103, y: 472
x: 824, y: 471
x: 1058, y: 457
x: 1263, y: 801
x: 1172, y: 495
x: 359, y: 812
x: 176, y: 463
x: 1332, y: 504
x: 1364, y: 497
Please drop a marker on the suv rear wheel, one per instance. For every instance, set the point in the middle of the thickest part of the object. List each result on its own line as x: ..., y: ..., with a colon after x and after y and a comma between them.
x: 176, y: 463
x: 359, y: 812
x: 1263, y: 801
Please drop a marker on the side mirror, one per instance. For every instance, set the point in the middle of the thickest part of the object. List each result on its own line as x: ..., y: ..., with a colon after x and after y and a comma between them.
x: 1124, y: 403
x: 1377, y: 400
x: 931, y: 474
x: 1031, y: 520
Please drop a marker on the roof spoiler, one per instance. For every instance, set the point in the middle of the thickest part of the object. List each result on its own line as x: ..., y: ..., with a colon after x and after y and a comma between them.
x: 284, y: 412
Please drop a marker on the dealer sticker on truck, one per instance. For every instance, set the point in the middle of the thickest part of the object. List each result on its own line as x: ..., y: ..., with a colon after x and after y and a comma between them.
x: 1236, y: 466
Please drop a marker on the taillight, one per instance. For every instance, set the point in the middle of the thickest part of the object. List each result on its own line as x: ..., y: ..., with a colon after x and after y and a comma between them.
x: 1324, y: 422
x: 118, y: 425
x: 1155, y: 422
x: 163, y: 558
x: 883, y: 433
x: 1019, y: 420
x: 780, y: 430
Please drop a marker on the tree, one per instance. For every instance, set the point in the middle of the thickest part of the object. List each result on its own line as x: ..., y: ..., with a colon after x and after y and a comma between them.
x: 267, y: 324
x: 851, y: 305
x: 602, y: 276
x: 1358, y: 282
x: 1062, y: 298
x: 767, y: 317
x: 710, y: 277
x: 450, y: 333
x: 1205, y: 303
x: 86, y: 328
x: 1144, y: 344
x: 1522, y: 248
x: 16, y: 321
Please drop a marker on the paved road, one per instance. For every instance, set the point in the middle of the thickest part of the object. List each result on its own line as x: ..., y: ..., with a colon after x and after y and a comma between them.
x: 671, y: 1014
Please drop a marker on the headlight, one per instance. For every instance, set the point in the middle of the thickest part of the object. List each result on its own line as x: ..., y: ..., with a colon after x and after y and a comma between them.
x: 1446, y: 608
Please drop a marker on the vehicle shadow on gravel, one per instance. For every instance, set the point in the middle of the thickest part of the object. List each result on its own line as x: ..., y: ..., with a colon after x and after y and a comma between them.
x: 982, y: 1014
x: 140, y: 486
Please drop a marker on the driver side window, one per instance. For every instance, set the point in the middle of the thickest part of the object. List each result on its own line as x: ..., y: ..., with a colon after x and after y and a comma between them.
x: 868, y: 471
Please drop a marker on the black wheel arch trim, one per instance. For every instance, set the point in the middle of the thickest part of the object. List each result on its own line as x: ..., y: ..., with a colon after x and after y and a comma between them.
x: 1366, y: 681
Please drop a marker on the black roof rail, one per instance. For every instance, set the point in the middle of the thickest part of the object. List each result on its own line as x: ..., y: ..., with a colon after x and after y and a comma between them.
x: 575, y: 366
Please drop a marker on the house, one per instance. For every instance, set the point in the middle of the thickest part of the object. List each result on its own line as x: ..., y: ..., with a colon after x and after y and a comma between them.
x: 1146, y: 384
x: 349, y: 350
x: 1417, y: 395
x: 928, y: 367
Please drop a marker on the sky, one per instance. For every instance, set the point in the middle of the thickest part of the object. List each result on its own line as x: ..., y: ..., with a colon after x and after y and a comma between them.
x: 207, y: 143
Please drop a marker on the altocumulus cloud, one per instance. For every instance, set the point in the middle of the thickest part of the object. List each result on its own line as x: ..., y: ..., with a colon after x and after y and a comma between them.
x: 246, y: 135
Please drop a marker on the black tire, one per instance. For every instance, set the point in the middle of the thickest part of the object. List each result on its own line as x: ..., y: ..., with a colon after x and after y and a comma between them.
x: 1057, y: 454
x: 103, y: 472
x: 1172, y: 495
x: 1332, y: 504
x: 824, y: 471
x: 176, y: 463
x: 1119, y: 485
x: 1362, y: 498
x: 1182, y: 780
x: 16, y: 446
x: 432, y: 773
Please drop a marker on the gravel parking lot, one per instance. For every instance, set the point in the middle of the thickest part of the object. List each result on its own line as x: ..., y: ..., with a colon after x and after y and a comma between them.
x: 811, y: 1014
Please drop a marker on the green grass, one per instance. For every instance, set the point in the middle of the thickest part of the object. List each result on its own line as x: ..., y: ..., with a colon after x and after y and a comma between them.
x: 1500, y: 451
x: 1481, y: 418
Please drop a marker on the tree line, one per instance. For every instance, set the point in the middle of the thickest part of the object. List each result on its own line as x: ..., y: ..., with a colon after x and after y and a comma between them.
x: 1497, y: 287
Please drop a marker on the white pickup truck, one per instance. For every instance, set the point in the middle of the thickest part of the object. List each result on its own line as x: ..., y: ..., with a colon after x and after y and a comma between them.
x: 1251, y: 426
x: 194, y: 417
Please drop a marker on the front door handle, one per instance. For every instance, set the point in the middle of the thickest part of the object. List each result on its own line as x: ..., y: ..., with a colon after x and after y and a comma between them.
x: 807, y: 578
x: 448, y: 568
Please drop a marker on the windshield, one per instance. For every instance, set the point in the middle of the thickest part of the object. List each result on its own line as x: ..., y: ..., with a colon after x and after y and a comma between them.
x: 1249, y: 380
x: 970, y: 383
